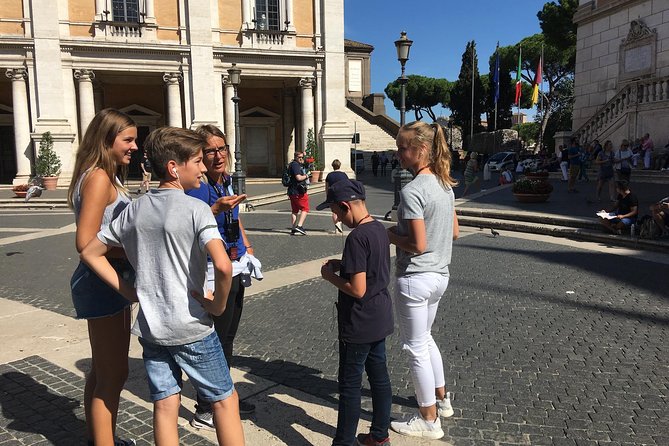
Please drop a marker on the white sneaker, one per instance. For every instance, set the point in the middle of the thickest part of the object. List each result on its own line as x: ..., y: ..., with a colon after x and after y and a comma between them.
x: 444, y: 407
x: 416, y: 426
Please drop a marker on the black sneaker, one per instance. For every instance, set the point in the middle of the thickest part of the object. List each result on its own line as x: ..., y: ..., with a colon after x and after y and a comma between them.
x: 203, y: 420
x: 246, y: 408
x: 293, y: 231
x: 300, y: 230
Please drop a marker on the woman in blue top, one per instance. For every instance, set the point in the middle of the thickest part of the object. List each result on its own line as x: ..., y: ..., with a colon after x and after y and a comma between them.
x: 218, y: 193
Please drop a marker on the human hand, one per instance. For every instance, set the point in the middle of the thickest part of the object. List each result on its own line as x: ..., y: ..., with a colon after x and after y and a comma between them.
x: 204, y: 300
x: 227, y: 203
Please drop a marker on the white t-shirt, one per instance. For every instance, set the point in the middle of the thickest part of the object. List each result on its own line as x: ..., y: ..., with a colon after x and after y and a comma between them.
x: 164, y: 234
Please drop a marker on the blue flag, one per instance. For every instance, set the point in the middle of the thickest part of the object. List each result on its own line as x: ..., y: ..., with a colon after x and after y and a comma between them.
x: 495, y: 76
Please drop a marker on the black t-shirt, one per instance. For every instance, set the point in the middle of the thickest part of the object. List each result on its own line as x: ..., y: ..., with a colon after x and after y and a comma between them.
x: 335, y: 176
x: 370, y: 318
x: 296, y: 187
x: 626, y: 203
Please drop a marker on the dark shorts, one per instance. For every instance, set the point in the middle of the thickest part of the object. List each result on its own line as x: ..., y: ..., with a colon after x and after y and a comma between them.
x: 299, y: 203
x: 92, y: 298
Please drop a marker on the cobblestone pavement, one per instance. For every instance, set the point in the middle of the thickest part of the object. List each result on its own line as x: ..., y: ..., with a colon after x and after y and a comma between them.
x: 543, y: 343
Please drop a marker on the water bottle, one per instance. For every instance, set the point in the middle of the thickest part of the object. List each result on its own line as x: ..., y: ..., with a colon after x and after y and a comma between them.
x: 633, y: 230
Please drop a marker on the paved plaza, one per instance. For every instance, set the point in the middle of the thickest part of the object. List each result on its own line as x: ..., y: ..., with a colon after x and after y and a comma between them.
x: 546, y: 341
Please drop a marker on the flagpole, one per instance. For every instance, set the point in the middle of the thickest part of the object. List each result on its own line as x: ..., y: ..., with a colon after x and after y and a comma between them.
x: 520, y: 77
x: 471, y: 122
x: 496, y: 90
x: 541, y: 99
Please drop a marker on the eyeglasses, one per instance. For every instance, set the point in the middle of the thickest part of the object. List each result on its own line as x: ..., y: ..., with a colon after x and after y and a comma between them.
x: 210, y: 153
x: 300, y: 157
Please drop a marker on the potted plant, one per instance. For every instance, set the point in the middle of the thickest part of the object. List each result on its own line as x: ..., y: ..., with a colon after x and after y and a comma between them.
x: 47, y: 165
x: 313, y: 158
x: 532, y: 190
x: 20, y: 190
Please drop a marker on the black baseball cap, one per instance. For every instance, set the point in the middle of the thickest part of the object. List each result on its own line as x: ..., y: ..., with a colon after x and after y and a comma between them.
x: 343, y: 190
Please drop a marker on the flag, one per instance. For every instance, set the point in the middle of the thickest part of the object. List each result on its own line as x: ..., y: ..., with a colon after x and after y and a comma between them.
x: 537, y: 82
x: 495, y: 75
x: 518, y: 78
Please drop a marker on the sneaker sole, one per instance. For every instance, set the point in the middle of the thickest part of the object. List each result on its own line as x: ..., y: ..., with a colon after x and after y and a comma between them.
x: 297, y: 231
x: 446, y: 413
x: 200, y: 425
x: 432, y: 435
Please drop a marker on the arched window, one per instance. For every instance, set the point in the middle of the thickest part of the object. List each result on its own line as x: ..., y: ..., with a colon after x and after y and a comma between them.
x: 267, y: 15
x: 125, y: 11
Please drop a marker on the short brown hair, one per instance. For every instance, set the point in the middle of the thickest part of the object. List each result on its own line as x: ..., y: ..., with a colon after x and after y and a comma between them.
x: 336, y: 164
x: 172, y: 143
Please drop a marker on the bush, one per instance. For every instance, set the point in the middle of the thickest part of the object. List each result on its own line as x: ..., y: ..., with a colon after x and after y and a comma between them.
x: 528, y: 186
x: 48, y: 162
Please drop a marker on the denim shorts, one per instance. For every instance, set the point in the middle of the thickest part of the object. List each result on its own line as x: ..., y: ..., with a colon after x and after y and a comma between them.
x: 92, y: 298
x: 203, y: 362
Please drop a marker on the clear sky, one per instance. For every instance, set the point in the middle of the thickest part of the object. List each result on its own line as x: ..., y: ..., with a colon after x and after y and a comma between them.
x: 440, y: 30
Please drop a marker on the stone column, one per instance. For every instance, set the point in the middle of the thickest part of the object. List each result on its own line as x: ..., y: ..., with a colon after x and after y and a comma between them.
x: 246, y: 15
x: 229, y: 116
x: 290, y: 26
x: 289, y: 123
x: 86, y: 98
x: 99, y: 9
x: 306, y: 85
x: 149, y: 11
x: 173, y: 99
x: 318, y: 107
x: 21, y: 123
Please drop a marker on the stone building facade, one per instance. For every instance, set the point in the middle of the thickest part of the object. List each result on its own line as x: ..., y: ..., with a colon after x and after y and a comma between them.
x: 621, y: 83
x: 165, y: 62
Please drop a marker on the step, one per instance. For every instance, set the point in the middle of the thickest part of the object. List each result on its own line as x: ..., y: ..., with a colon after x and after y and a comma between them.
x: 566, y: 232
x: 533, y: 217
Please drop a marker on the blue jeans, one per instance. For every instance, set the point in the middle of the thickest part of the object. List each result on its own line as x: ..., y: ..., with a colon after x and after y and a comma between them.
x: 353, y: 359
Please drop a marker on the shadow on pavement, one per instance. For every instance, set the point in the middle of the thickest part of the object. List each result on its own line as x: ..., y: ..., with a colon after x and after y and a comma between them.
x: 30, y: 407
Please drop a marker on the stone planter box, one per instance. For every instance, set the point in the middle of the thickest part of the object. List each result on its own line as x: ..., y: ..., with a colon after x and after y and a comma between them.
x: 531, y: 198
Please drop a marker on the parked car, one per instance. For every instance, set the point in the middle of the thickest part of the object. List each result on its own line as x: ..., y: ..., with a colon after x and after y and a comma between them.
x: 500, y: 161
x: 357, y: 161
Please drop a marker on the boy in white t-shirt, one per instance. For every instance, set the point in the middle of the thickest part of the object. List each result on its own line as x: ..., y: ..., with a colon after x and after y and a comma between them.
x: 167, y: 236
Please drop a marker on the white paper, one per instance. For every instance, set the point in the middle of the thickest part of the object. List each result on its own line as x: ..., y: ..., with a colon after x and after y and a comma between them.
x: 605, y: 215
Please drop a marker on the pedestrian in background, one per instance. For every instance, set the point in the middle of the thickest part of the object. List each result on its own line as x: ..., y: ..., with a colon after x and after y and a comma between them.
x: 564, y: 163
x: 217, y: 192
x: 647, y: 147
x: 574, y: 155
x: 427, y: 226
x: 145, y: 186
x: 375, y: 163
x: 297, y: 193
x: 97, y: 197
x: 364, y: 314
x: 622, y: 162
x: 384, y: 163
x: 333, y: 177
x: 605, y: 176
x: 471, y: 172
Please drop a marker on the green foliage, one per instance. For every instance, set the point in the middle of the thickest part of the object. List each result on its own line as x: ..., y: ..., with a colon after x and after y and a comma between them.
x: 422, y: 93
x: 529, y: 132
x: 558, y: 27
x: 529, y: 186
x: 47, y: 163
x: 313, y: 152
x: 461, y: 95
x: 561, y: 111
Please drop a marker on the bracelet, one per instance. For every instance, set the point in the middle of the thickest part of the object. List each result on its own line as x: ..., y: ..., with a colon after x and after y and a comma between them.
x: 247, y: 247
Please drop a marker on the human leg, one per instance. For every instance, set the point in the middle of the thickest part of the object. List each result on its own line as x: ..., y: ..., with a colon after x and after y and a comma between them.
x: 379, y: 382
x: 229, y: 431
x: 352, y: 359
x: 110, y: 341
x: 165, y: 420
x: 563, y: 168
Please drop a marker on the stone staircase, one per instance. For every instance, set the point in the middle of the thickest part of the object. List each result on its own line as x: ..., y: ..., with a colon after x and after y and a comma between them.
x: 622, y: 110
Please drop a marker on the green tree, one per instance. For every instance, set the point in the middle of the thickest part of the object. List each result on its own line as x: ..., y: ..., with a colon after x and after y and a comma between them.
x: 47, y: 163
x: 461, y: 95
x: 528, y: 132
x: 558, y: 27
x: 422, y: 93
x: 561, y: 113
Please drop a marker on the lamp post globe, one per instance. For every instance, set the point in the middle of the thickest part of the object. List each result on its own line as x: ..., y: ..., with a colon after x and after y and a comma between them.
x: 238, y: 177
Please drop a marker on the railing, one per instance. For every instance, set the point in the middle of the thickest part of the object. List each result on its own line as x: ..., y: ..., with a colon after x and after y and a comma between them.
x: 265, y: 37
x: 124, y: 29
x: 642, y: 92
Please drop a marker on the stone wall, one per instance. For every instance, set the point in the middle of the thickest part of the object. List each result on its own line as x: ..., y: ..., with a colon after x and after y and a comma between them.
x: 602, y: 66
x: 505, y: 140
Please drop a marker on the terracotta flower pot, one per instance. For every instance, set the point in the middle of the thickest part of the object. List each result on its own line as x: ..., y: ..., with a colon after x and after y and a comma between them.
x: 50, y: 183
x: 316, y: 176
x: 20, y: 193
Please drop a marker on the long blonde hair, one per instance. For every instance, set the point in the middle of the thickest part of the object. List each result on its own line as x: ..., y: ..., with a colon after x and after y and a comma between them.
x: 432, y: 136
x: 95, y: 148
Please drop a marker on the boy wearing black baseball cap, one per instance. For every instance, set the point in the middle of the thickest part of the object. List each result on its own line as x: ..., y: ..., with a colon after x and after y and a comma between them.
x: 365, y: 316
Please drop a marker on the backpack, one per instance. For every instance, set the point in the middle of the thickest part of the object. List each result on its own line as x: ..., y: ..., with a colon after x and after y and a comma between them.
x: 648, y: 228
x: 286, y: 177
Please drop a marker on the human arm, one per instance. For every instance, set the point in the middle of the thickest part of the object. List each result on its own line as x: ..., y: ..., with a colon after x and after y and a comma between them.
x: 215, y: 302
x: 96, y: 193
x: 456, y: 226
x: 143, y: 168
x: 356, y: 286
x: 225, y: 203
x: 247, y: 243
x: 94, y: 255
x: 415, y: 241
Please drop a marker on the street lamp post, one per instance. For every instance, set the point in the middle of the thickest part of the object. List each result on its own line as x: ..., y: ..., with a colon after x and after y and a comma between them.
x: 403, y: 45
x: 401, y: 177
x: 238, y: 177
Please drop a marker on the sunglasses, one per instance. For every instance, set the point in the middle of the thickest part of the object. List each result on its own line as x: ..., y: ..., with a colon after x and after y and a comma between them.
x: 210, y: 153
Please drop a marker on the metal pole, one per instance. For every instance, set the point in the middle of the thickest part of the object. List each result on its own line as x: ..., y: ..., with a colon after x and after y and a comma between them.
x: 471, y: 123
x: 239, y: 178
x: 403, y: 81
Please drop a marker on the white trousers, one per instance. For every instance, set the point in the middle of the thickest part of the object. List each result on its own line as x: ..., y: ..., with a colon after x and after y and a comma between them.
x: 416, y: 301
x: 564, y: 165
